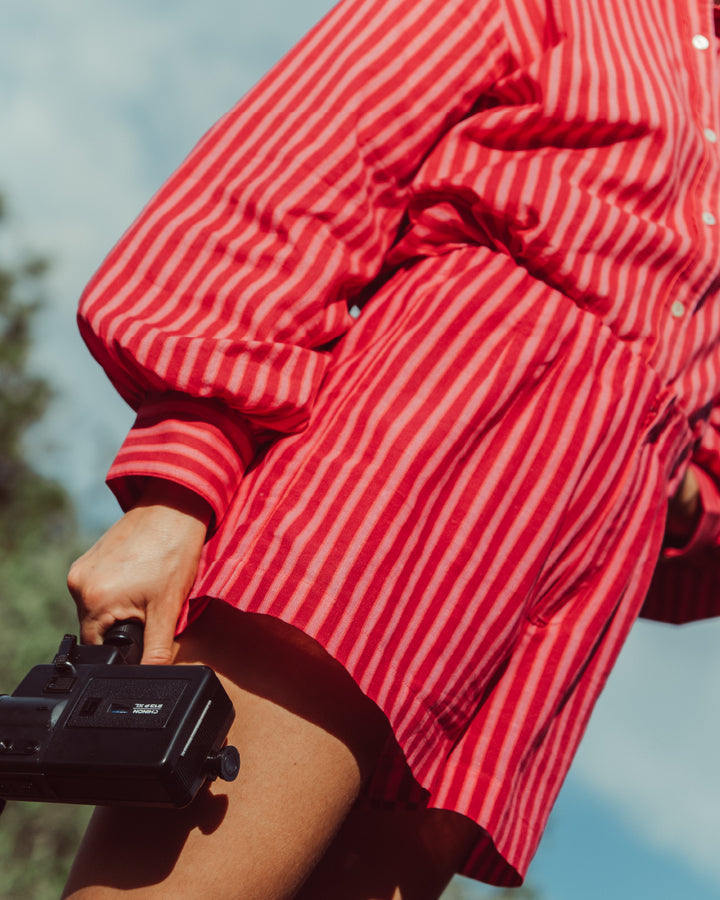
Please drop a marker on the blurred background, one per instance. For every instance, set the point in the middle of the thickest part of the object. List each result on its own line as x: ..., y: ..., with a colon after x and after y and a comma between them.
x: 100, y: 101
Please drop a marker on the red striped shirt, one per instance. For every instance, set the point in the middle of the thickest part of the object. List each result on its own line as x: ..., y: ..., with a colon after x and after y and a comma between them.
x: 552, y: 171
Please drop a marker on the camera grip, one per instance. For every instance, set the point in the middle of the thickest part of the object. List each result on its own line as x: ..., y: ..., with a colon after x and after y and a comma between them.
x: 127, y: 636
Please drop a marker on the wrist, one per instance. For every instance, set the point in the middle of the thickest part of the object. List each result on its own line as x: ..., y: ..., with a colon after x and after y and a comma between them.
x: 170, y: 494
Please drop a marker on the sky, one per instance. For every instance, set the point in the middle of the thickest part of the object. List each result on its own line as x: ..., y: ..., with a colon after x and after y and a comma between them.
x: 99, y: 102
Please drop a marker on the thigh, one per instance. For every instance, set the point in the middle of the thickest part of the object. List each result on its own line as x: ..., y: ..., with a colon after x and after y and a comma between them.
x: 393, y: 854
x: 307, y: 738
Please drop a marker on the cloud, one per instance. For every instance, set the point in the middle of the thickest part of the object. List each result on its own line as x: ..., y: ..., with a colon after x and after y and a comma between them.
x: 653, y: 746
x: 100, y: 102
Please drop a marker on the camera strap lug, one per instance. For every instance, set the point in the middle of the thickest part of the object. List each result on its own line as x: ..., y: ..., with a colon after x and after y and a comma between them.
x: 65, y: 675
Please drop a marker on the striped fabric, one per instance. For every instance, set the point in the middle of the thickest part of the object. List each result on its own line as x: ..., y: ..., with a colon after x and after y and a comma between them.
x: 459, y: 490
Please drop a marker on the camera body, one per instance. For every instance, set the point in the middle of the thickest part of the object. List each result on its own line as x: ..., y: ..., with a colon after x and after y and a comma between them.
x: 95, y: 727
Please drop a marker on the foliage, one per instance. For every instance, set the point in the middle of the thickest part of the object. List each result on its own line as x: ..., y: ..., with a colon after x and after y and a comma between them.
x: 33, y: 508
x: 37, y: 543
x: 37, y: 843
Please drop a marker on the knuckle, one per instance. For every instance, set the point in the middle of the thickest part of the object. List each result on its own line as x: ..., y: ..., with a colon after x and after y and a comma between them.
x: 94, y: 626
x: 157, y: 658
x: 76, y: 577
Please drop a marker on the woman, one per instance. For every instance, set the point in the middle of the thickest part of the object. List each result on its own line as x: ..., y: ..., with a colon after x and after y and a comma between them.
x: 421, y: 337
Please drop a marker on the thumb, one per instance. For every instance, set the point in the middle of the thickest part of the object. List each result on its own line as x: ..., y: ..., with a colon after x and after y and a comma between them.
x: 159, y: 638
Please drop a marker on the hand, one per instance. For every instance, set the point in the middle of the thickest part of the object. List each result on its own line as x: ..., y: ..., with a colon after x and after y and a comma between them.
x: 143, y: 568
x: 684, y: 511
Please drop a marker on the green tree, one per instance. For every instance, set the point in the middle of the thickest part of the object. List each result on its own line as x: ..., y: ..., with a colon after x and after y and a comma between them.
x: 37, y: 542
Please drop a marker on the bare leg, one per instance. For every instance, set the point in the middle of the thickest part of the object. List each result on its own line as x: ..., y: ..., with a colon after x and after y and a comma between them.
x: 307, y: 738
x: 305, y: 734
x: 392, y: 855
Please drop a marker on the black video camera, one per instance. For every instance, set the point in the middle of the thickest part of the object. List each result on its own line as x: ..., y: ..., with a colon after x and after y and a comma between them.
x: 96, y: 727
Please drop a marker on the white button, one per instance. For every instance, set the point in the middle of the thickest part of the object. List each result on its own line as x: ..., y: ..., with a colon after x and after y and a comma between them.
x: 355, y: 311
x: 711, y: 135
x: 700, y: 42
x: 708, y: 218
x: 678, y: 309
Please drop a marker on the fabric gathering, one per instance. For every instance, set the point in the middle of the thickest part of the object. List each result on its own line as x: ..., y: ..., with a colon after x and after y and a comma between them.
x: 431, y: 320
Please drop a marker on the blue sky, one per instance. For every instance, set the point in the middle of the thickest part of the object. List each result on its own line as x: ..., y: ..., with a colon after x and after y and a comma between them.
x: 100, y: 100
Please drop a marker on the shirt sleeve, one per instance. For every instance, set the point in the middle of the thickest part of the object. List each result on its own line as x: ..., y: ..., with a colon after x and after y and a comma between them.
x: 211, y: 313
x: 686, y: 583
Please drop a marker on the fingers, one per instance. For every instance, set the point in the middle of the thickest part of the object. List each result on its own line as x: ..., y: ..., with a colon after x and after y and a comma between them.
x: 142, y: 568
x: 102, y: 600
x: 687, y: 496
x: 159, y: 637
x: 684, y: 511
x: 100, y: 597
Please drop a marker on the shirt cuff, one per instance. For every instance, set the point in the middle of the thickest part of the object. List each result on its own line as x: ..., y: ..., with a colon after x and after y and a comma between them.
x: 707, y: 530
x: 200, y: 444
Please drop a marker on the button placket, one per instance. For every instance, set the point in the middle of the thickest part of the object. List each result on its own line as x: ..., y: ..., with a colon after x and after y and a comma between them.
x: 702, y: 42
x: 677, y: 310
x: 705, y: 203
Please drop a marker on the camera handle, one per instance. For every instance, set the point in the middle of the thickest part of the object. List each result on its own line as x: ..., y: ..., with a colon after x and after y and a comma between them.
x: 127, y: 636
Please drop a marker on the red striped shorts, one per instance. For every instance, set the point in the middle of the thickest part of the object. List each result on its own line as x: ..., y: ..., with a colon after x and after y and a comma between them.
x: 469, y: 525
